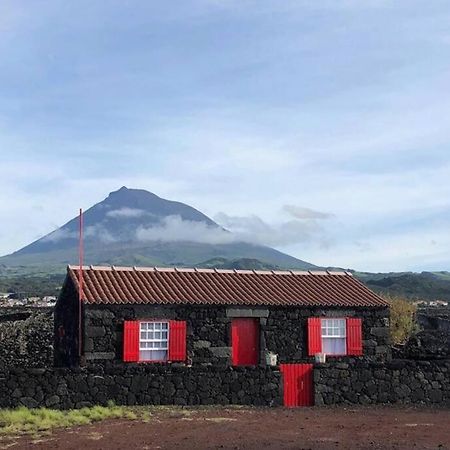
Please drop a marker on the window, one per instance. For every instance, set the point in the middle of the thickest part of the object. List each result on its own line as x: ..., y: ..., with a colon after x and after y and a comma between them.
x: 153, y: 341
x: 335, y: 336
x: 333, y: 333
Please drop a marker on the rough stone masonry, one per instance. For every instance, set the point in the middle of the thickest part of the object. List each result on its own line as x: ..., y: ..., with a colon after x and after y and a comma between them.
x: 140, y: 385
x: 398, y: 381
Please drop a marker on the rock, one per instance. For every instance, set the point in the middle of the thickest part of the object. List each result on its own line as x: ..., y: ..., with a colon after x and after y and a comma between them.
x: 29, y: 402
x: 52, y: 401
x: 202, y: 344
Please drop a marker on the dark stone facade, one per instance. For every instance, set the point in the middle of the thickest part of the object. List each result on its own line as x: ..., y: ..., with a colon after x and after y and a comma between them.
x: 283, y: 331
x: 398, y: 381
x: 26, y: 337
x: 139, y: 385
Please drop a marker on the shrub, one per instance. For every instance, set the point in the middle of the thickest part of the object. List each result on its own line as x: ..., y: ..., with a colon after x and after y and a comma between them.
x: 403, y: 319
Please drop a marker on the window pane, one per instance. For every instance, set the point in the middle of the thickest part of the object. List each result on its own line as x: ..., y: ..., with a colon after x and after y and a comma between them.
x: 333, y: 328
x: 333, y: 346
x: 154, y: 341
x: 153, y: 355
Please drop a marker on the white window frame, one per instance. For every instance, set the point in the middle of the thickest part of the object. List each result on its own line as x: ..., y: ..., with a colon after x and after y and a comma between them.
x: 330, y: 330
x: 163, y: 343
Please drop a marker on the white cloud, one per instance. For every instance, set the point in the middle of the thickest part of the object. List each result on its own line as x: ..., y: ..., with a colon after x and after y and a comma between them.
x: 300, y: 212
x: 127, y: 213
x: 60, y: 235
x: 256, y: 230
x: 174, y: 228
x: 100, y: 233
x: 251, y: 229
x: 97, y: 232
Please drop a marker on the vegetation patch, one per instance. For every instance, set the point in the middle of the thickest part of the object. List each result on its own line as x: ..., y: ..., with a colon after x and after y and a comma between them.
x: 25, y: 420
x: 403, y: 320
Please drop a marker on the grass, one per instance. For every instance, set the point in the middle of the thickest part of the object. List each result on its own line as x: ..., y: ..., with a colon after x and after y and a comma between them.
x: 22, y: 420
x: 25, y: 420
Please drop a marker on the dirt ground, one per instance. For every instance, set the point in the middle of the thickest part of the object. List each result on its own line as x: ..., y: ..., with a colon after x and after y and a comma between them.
x: 256, y: 428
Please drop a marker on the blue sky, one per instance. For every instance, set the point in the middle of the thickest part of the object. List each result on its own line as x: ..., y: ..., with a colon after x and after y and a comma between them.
x: 247, y: 110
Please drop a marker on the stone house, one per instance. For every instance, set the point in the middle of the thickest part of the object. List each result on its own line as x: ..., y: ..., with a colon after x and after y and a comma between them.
x: 218, y: 318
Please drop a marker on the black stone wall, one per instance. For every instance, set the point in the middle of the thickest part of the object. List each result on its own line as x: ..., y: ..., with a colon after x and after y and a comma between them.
x: 398, y: 381
x: 283, y: 331
x: 66, y: 327
x: 26, y: 337
x: 139, y: 385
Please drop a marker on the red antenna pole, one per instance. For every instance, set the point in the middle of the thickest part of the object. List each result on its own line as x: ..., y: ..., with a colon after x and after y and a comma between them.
x: 80, y: 283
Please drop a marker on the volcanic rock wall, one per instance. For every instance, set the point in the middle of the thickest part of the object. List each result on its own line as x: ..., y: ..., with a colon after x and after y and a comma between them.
x: 399, y: 381
x: 26, y: 337
x: 139, y: 385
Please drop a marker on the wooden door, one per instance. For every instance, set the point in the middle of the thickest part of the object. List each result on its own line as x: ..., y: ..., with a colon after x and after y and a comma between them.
x: 298, y: 389
x: 245, y: 342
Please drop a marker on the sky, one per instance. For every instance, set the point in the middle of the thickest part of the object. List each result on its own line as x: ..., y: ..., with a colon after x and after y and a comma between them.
x: 319, y: 127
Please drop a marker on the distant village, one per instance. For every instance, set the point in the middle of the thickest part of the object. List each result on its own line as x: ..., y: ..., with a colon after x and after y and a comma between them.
x: 432, y: 303
x: 12, y: 299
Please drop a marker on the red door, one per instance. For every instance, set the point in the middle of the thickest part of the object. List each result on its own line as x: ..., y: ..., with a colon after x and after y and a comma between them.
x: 298, y: 384
x: 245, y: 342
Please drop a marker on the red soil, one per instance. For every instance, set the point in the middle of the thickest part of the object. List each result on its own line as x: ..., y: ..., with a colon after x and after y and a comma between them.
x: 258, y: 428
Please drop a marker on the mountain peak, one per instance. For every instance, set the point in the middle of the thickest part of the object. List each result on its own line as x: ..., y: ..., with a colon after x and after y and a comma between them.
x: 128, y: 194
x: 136, y: 227
x: 120, y: 218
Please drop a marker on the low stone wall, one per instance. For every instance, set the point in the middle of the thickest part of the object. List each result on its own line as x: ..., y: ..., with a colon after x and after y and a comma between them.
x: 26, y: 337
x: 139, y: 385
x: 400, y: 381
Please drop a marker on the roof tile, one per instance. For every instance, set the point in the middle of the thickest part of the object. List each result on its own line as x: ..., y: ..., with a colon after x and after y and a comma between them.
x: 122, y: 285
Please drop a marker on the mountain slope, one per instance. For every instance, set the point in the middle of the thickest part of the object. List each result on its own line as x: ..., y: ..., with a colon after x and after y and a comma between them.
x: 416, y: 286
x: 136, y: 227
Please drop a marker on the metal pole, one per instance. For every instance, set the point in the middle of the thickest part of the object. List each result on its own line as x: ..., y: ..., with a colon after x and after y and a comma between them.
x: 80, y: 283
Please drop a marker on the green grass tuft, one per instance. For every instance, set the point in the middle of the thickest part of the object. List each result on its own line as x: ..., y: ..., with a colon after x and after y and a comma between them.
x: 24, y: 420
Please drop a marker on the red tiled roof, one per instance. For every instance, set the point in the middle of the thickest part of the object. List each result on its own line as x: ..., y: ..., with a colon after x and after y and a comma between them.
x: 124, y: 285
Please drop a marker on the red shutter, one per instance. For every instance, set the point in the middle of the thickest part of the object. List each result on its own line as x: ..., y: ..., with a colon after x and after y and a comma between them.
x: 354, y: 337
x: 177, y: 340
x: 314, y: 336
x: 131, y: 340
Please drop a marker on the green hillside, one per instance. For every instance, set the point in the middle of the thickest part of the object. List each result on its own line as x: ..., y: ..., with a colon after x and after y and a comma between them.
x: 423, y: 286
x: 415, y: 286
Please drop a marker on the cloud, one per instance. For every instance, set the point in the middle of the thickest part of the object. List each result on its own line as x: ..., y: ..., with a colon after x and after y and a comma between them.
x: 174, y: 228
x: 302, y: 213
x: 251, y: 229
x: 60, y: 235
x: 126, y: 213
x: 255, y: 230
x: 97, y: 232
x: 100, y: 233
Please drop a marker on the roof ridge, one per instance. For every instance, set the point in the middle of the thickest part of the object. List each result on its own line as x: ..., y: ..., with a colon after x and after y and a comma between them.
x: 212, y: 270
